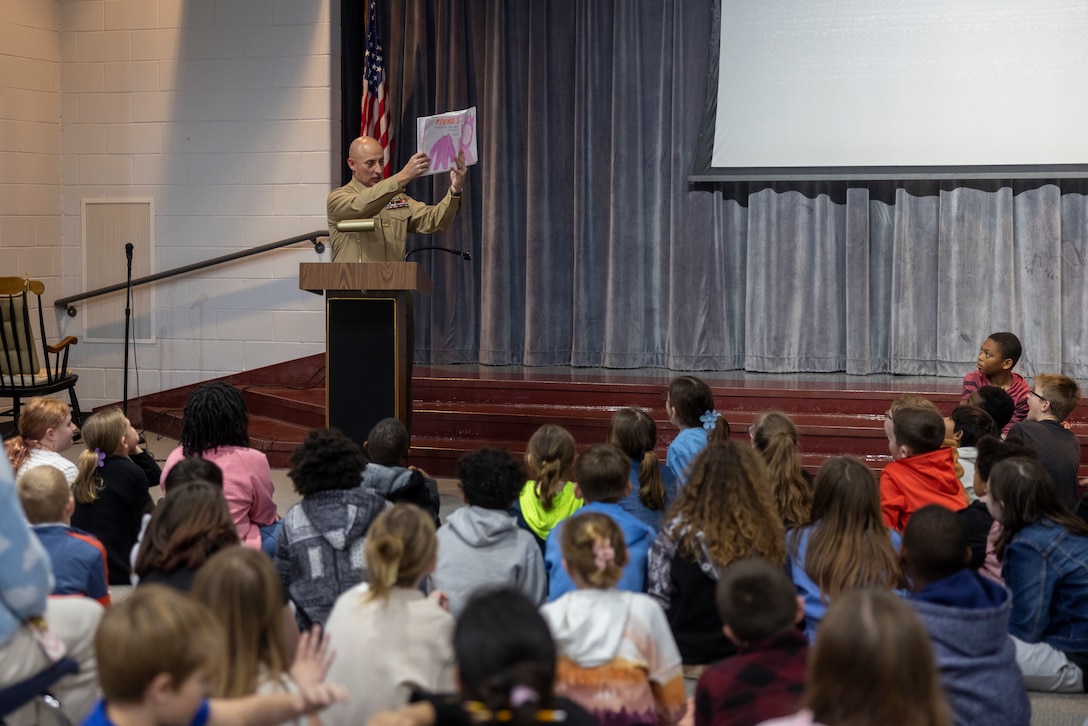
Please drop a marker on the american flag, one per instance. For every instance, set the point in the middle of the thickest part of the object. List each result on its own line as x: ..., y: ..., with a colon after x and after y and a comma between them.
x: 375, y: 112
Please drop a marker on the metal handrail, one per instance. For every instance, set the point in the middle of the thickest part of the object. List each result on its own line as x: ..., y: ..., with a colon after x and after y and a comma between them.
x: 313, y: 237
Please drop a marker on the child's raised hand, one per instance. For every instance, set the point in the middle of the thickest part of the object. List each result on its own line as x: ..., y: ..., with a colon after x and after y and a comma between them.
x: 312, y: 659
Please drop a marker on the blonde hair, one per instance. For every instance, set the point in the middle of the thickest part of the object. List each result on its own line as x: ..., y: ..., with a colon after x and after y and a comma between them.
x: 911, y: 400
x: 44, y: 494
x: 594, y: 549
x: 634, y: 431
x: 849, y: 546
x: 1060, y: 391
x: 400, y: 549
x: 102, y: 433
x: 549, y: 457
x: 241, y: 587
x: 36, y: 417
x: 775, y: 436
x: 873, y: 664
x: 154, y: 630
x: 727, y: 508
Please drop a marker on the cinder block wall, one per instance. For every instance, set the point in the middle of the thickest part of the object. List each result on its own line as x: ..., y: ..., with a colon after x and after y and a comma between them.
x: 226, y: 114
x: 30, y: 140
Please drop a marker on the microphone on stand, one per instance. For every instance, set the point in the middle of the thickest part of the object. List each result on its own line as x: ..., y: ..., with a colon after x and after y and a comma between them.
x: 459, y: 253
x: 128, y: 252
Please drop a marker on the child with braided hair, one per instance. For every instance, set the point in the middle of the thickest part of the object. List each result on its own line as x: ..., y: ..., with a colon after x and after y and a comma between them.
x: 617, y: 657
x: 215, y: 426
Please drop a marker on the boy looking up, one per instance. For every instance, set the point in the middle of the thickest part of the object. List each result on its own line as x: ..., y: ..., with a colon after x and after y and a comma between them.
x: 156, y: 650
x: 601, y: 480
x: 922, y: 473
x: 1050, y: 402
x: 78, y: 558
x: 996, y: 359
x: 481, y: 545
x: 766, y: 679
x: 967, y: 617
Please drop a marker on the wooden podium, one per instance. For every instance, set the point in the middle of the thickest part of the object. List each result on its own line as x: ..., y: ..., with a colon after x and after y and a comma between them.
x: 367, y: 339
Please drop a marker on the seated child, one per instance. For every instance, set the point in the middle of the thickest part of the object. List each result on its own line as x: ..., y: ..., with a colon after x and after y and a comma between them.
x: 981, y: 529
x: 319, y: 554
x: 969, y: 424
x: 156, y: 652
x: 601, y: 475
x: 689, y: 404
x: 387, y: 473
x: 547, y: 498
x: 996, y: 359
x: 1050, y: 402
x: 505, y: 668
x: 775, y: 437
x: 922, y: 473
x: 111, y: 490
x: 967, y: 617
x: 78, y: 558
x: 617, y: 656
x: 913, y: 400
x: 634, y: 431
x: 390, y: 640
x: 766, y: 678
x: 996, y: 402
x: 481, y: 545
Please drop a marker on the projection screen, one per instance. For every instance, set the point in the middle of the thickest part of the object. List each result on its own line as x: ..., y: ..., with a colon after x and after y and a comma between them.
x: 883, y: 89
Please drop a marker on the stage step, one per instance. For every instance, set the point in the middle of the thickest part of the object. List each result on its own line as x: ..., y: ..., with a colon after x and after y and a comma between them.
x: 462, y: 408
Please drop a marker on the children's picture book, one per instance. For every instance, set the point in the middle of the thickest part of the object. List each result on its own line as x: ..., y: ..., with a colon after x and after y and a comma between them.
x: 441, y: 137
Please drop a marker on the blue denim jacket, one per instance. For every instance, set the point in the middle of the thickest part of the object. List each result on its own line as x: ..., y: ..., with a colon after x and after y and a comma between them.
x: 1046, y: 568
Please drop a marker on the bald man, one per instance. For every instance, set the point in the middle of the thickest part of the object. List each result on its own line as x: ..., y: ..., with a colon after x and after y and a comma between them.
x: 370, y: 195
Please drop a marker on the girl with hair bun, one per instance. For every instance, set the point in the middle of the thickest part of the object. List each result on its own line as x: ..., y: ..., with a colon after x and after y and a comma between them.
x: 111, y: 488
x: 775, y: 437
x: 635, y: 433
x: 390, y: 638
x: 617, y: 657
x: 689, y: 404
x: 45, y: 431
x: 548, y: 497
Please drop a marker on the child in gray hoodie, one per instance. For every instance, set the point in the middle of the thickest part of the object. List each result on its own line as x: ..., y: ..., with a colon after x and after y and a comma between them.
x: 967, y: 617
x: 480, y: 545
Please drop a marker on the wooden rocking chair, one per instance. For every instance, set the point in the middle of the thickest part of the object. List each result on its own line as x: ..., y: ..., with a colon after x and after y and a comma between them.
x: 23, y: 372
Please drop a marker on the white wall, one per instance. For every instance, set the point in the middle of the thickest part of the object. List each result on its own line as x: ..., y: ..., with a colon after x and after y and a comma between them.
x: 226, y: 113
x: 30, y: 133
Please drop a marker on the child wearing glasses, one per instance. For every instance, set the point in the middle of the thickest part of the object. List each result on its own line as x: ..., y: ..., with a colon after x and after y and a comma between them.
x: 1050, y: 402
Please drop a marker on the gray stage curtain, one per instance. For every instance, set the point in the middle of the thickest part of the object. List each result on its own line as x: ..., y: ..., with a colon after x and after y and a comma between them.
x: 590, y: 248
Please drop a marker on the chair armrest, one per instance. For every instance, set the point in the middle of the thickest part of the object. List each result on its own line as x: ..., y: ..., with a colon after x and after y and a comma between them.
x: 62, y: 344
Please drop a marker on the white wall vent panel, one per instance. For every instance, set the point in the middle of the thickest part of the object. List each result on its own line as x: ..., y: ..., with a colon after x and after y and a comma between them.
x: 108, y: 225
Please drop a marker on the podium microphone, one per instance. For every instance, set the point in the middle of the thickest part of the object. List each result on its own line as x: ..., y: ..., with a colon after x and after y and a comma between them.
x: 459, y: 253
x: 128, y: 251
x: 356, y: 225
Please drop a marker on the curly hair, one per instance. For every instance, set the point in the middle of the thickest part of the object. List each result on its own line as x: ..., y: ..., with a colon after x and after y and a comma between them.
x: 490, y: 478
x: 582, y: 538
x: 727, y: 507
x: 775, y: 437
x: 548, y: 459
x: 635, y: 433
x: 325, y: 460
x: 849, y: 546
x: 215, y: 415
x: 186, y: 528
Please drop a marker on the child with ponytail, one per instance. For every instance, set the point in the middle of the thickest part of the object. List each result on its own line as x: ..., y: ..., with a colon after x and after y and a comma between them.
x: 389, y: 637
x: 617, y: 657
x: 689, y: 404
x: 775, y: 437
x: 111, y: 488
x: 548, y: 498
x: 635, y: 433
